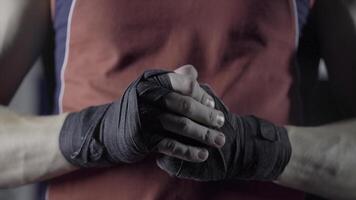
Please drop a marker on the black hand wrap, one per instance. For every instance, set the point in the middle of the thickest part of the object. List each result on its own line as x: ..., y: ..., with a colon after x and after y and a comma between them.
x: 254, y: 150
x: 113, y: 133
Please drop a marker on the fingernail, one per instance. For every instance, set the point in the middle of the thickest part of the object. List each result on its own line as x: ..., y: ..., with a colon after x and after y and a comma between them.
x: 220, y: 119
x: 220, y: 140
x: 203, y: 155
x: 210, y: 103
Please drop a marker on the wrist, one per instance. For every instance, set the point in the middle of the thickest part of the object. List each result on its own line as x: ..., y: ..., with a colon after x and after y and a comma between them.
x: 81, y: 138
x: 265, y: 149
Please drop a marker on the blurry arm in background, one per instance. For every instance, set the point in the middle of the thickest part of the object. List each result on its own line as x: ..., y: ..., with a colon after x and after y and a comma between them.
x: 24, y: 25
x: 323, y: 159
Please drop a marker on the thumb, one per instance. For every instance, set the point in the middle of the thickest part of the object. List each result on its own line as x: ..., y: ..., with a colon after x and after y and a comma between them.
x: 188, y: 70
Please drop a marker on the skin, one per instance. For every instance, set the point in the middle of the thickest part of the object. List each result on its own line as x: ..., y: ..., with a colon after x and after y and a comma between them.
x: 322, y: 159
x: 194, y: 108
x: 29, y: 149
x: 195, y: 112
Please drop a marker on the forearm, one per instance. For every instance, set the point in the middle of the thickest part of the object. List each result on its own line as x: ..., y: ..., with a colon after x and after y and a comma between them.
x: 29, y: 149
x: 323, y: 160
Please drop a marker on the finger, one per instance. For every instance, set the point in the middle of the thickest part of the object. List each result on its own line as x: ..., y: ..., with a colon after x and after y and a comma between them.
x: 190, y: 129
x: 188, y: 70
x: 192, y: 109
x: 176, y: 149
x: 188, y: 86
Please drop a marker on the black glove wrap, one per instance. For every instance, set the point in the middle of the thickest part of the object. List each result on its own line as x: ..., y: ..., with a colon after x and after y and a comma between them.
x: 113, y: 133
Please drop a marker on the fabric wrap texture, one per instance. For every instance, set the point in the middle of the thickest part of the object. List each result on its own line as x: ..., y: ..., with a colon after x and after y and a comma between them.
x: 119, y: 132
x: 255, y: 149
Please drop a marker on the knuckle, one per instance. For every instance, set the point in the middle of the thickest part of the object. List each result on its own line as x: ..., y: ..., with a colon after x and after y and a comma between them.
x: 204, y: 135
x: 204, y: 98
x: 190, y: 85
x: 187, y: 153
x: 171, y: 146
x: 181, y: 122
x: 186, y: 106
x: 190, y: 154
x: 208, y: 136
x: 212, y: 116
x: 184, y: 124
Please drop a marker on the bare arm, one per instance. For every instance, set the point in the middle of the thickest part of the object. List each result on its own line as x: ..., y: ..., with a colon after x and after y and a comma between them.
x: 29, y: 149
x: 323, y: 160
x: 23, y: 29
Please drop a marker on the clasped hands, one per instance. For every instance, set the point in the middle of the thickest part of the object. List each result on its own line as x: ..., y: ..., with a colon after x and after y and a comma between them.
x: 170, y: 113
